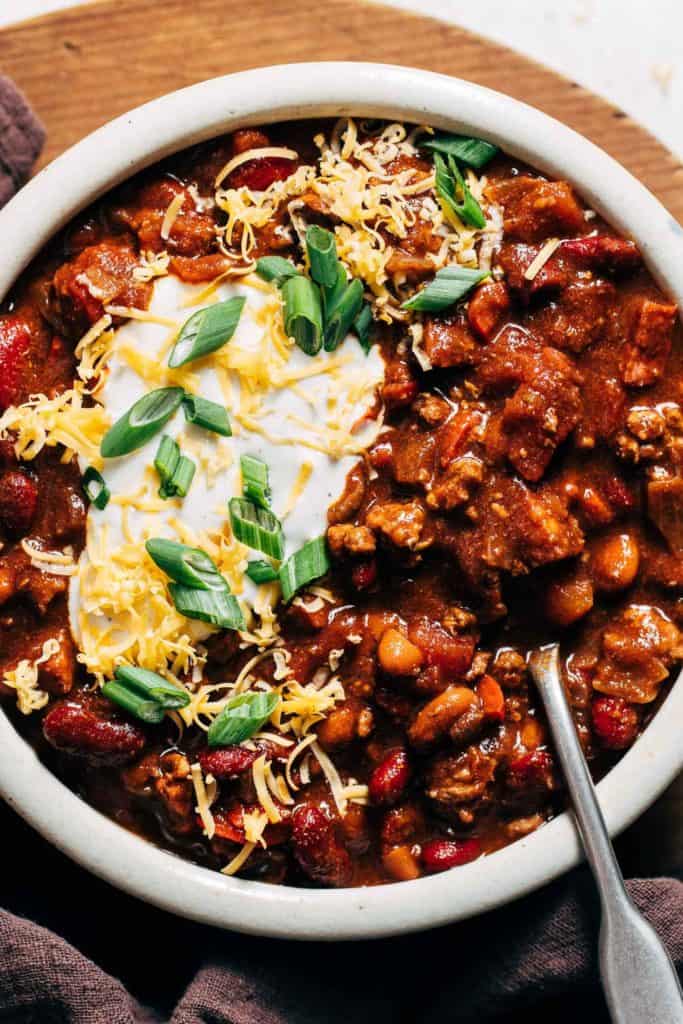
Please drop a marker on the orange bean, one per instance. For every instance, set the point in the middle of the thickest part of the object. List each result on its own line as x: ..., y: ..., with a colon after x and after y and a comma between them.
x: 400, y: 863
x: 397, y: 655
x: 492, y: 698
x: 615, y: 561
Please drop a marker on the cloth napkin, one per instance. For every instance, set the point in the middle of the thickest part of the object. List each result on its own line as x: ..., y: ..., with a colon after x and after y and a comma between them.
x: 528, y: 961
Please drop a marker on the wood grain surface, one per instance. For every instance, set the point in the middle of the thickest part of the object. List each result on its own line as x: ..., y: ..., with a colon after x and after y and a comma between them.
x: 83, y: 66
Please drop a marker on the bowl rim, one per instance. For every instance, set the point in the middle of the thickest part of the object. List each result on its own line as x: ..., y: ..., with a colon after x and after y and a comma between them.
x: 193, y: 114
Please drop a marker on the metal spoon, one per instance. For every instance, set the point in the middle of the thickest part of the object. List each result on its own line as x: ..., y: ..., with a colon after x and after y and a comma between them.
x: 639, y: 979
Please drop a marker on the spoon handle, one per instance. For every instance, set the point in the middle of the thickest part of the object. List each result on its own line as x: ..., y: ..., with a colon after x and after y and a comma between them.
x: 639, y: 979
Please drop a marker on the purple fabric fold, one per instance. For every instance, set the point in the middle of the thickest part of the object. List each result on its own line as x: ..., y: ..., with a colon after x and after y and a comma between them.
x: 526, y: 961
x: 21, y: 139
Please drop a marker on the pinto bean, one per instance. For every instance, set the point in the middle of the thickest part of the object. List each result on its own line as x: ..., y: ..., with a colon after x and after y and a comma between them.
x: 390, y: 778
x: 86, y: 728
x: 569, y: 598
x: 402, y: 825
x: 342, y: 726
x: 439, y: 715
x: 615, y: 562
x: 397, y: 655
x: 317, y: 848
x: 442, y: 854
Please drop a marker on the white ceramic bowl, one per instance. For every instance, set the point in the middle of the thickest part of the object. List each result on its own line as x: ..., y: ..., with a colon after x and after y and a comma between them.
x: 258, y: 97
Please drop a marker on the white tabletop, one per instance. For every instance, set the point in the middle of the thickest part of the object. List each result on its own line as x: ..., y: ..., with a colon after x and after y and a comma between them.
x: 630, y: 51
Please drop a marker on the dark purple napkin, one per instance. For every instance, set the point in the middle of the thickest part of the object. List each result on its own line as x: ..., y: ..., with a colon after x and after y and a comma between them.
x: 528, y: 961
x: 21, y: 139
x: 533, y: 961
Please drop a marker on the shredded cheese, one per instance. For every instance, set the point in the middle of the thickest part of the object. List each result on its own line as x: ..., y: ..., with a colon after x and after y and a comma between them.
x: 172, y: 211
x: 57, y: 563
x: 239, y: 860
x: 203, y: 807
x: 24, y: 679
x: 64, y: 420
x: 541, y: 258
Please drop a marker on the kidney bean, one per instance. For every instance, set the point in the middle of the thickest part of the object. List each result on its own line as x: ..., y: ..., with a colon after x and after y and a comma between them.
x: 442, y: 854
x: 317, y: 849
x: 364, y: 573
x: 615, y: 722
x: 228, y: 762
x: 84, y: 729
x: 18, y: 501
x: 15, y: 341
x: 389, y: 780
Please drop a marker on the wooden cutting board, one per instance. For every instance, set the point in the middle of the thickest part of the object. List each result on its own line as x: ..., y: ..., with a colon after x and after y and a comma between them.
x: 83, y: 66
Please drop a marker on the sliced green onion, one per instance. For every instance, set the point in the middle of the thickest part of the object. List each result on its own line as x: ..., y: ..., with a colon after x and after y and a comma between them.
x: 181, y: 480
x: 256, y: 527
x: 205, y: 331
x: 96, y: 490
x: 303, y: 313
x: 151, y: 685
x: 342, y: 317
x: 473, y: 152
x: 218, y: 607
x: 149, y: 711
x: 322, y: 255
x: 142, y: 421
x: 362, y: 325
x: 449, y: 180
x: 241, y: 717
x: 190, y: 566
x: 209, y: 415
x: 332, y: 295
x: 255, y: 485
x: 261, y: 572
x: 275, y: 268
x: 166, y: 460
x: 449, y: 285
x: 308, y: 563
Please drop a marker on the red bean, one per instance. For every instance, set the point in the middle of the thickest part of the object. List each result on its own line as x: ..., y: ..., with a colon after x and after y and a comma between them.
x: 15, y: 341
x: 442, y: 854
x: 317, y: 849
x: 227, y: 762
x: 18, y: 501
x: 532, y: 770
x: 615, y: 722
x: 84, y: 729
x: 389, y: 780
x: 364, y: 574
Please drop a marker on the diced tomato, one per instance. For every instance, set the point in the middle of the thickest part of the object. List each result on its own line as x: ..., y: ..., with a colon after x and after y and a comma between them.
x: 451, y: 653
x: 15, y: 340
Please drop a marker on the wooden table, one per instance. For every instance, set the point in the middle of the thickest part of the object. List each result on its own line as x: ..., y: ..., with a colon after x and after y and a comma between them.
x: 87, y: 64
